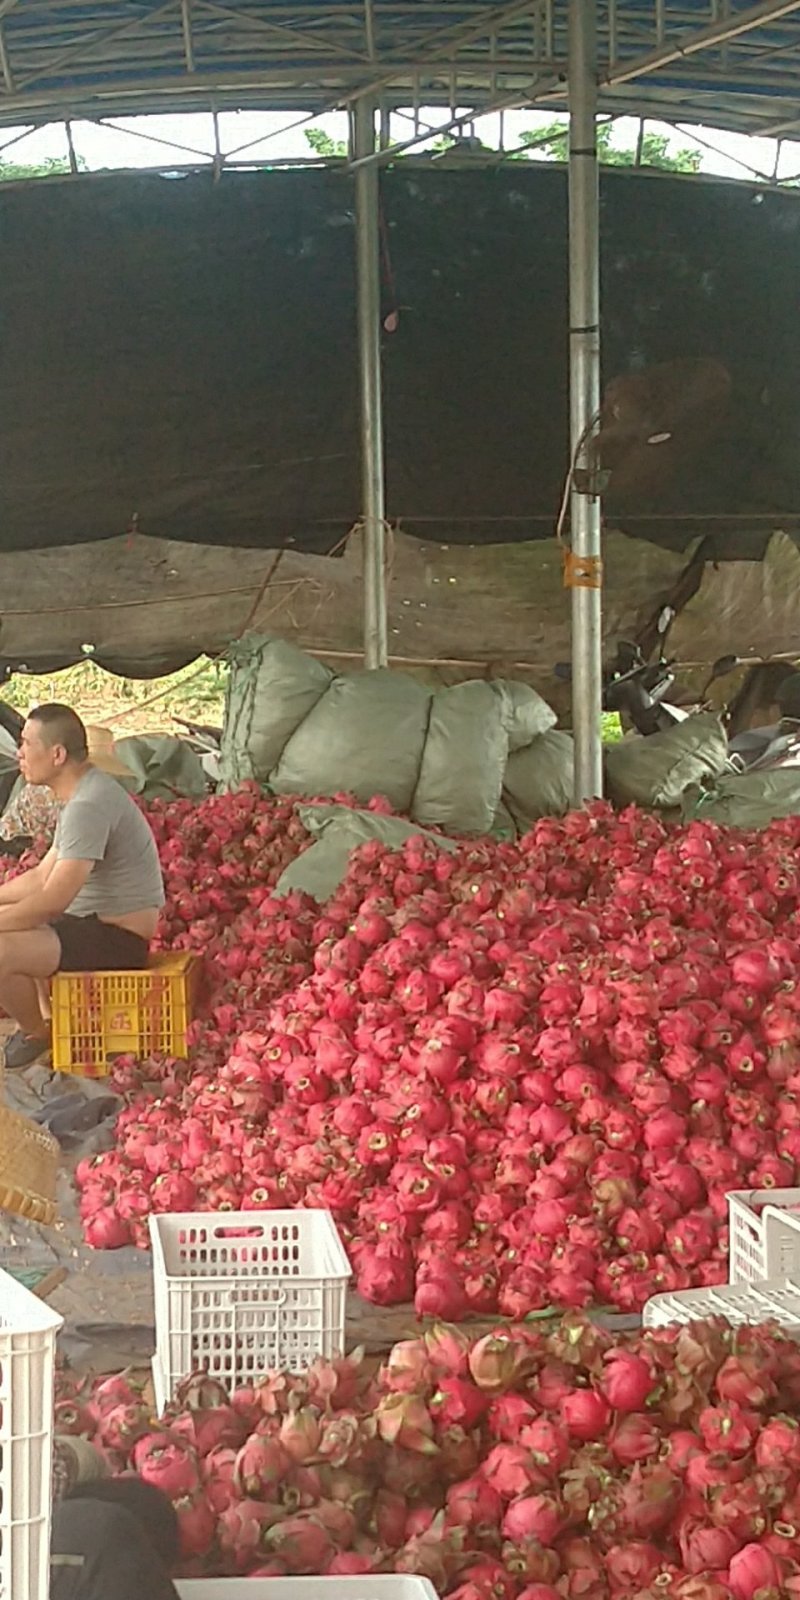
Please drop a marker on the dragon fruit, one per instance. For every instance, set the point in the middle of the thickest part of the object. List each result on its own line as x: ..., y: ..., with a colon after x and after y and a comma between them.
x: 165, y: 1461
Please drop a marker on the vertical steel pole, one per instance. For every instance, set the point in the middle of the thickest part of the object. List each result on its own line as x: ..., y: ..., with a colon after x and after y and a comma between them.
x: 584, y: 378
x: 362, y: 143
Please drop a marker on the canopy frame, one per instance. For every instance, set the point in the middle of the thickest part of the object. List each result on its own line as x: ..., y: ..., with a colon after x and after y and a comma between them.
x: 583, y: 565
x: 733, y: 66
x: 736, y: 65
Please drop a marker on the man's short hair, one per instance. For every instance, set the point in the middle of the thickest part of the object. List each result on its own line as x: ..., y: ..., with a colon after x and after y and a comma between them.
x: 61, y: 725
x: 788, y: 697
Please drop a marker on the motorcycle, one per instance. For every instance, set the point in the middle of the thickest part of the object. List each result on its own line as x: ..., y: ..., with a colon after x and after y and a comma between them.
x: 11, y: 725
x: 206, y: 743
x: 639, y: 690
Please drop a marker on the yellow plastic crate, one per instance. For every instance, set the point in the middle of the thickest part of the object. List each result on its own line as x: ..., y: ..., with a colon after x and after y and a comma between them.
x: 98, y: 1015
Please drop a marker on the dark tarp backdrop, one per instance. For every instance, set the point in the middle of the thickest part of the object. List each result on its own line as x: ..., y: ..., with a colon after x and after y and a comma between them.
x: 179, y: 364
x: 180, y: 354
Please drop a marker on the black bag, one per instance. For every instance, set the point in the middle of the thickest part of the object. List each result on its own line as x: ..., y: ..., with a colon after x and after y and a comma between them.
x: 101, y: 1552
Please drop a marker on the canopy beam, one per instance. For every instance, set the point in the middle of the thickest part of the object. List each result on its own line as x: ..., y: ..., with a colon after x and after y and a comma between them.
x: 734, y: 26
x: 373, y: 495
x: 584, y: 568
x: 382, y: 157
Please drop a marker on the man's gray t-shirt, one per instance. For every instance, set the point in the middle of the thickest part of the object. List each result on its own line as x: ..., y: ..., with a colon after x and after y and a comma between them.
x: 101, y: 823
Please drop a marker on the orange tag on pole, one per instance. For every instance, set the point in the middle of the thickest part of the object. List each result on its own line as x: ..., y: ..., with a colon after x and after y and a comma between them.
x: 582, y: 572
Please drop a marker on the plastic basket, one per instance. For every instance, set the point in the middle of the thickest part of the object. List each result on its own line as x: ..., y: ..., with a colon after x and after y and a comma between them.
x: 97, y: 1015
x: 752, y: 1303
x: 28, y: 1168
x: 160, y: 1393
x: 243, y: 1293
x: 28, y: 1331
x: 782, y: 1243
x: 748, y: 1259
x: 389, y: 1586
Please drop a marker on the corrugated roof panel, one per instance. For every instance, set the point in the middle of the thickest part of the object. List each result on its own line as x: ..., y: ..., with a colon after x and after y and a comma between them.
x: 63, y: 59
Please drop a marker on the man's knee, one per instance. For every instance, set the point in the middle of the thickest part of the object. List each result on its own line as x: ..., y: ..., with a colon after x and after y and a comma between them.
x: 7, y: 967
x: 28, y: 955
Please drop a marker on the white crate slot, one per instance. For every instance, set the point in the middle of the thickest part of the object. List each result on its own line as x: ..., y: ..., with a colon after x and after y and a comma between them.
x: 28, y: 1330
x: 749, y: 1259
x: 739, y: 1303
x: 385, y: 1586
x: 242, y: 1293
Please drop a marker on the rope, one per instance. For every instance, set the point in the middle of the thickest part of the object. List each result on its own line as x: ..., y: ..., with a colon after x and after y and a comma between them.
x: 392, y: 316
x: 160, y: 694
x: 269, y: 575
x: 570, y: 477
x: 580, y: 572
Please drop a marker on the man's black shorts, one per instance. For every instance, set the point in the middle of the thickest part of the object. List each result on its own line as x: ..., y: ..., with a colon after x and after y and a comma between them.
x: 89, y: 945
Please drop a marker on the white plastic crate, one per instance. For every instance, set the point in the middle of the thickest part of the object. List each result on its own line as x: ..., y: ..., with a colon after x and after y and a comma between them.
x: 782, y: 1243
x: 28, y: 1331
x: 739, y: 1303
x: 749, y: 1261
x: 159, y: 1386
x: 242, y: 1293
x: 385, y: 1586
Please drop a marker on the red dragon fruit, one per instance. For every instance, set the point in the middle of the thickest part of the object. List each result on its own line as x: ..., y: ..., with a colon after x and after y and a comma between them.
x: 585, y: 1414
x: 164, y: 1460
x: 241, y: 1530
x: 196, y: 1525
x: 649, y: 1500
x: 539, y: 1516
x: 474, y: 1504
x: 704, y: 1547
x: 728, y: 1428
x: 753, y: 1569
x: 260, y: 1466
x: 511, y: 1470
x: 627, y: 1380
x: 633, y: 1565
x: 219, y: 1484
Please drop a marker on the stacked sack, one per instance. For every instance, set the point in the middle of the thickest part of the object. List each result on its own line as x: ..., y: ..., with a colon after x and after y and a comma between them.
x: 452, y: 758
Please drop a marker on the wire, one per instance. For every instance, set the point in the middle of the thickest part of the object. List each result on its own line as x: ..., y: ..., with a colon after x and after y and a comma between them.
x: 569, y: 480
x: 269, y: 575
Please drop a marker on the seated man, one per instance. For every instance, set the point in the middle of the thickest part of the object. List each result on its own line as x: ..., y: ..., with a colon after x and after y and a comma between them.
x: 93, y: 902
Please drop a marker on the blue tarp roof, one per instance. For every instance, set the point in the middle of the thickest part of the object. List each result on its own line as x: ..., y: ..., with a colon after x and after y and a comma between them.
x: 60, y: 59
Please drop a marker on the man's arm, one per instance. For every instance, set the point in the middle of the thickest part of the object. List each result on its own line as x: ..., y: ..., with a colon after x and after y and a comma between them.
x: 28, y: 883
x: 48, y: 900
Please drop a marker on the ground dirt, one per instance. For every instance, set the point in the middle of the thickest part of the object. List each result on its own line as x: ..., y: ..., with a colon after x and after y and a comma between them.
x: 128, y: 705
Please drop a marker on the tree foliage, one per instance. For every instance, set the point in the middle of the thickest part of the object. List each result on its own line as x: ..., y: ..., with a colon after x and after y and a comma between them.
x: 20, y: 171
x: 323, y: 145
x: 551, y: 143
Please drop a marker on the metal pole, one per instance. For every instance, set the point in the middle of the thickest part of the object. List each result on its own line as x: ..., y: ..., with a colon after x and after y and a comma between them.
x: 584, y: 381
x: 362, y: 143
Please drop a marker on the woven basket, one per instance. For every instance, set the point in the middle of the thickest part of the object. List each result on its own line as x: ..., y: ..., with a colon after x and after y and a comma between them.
x: 28, y: 1168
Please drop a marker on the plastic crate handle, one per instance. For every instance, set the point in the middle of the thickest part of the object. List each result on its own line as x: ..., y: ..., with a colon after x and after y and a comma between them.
x: 776, y: 1220
x: 758, y: 1199
x: 230, y: 1301
x: 245, y: 1230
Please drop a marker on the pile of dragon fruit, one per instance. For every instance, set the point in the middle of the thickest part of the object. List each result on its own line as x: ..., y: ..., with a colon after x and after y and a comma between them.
x: 526, y: 1465
x: 519, y: 1075
x: 216, y: 855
